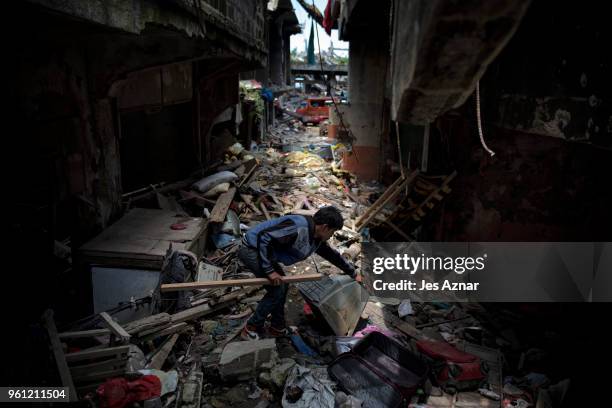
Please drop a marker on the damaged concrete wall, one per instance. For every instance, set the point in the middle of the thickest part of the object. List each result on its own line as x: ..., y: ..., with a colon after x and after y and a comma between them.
x: 535, y: 189
x: 548, y: 81
x: 243, y: 20
x: 71, y: 63
x: 554, y: 81
x: 67, y: 138
x: 364, y: 116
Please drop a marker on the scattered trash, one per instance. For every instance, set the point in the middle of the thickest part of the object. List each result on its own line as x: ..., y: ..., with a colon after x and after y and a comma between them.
x: 405, y: 308
x: 489, y: 394
x: 207, y: 183
x: 308, y: 388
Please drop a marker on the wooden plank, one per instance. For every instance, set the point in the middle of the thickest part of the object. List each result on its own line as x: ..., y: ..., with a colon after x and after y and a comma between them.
x: 84, y: 334
x: 98, y: 353
x: 176, y: 328
x: 418, y: 212
x: 142, y: 234
x: 157, y: 321
x: 222, y: 205
x: 160, y: 356
x: 240, y: 171
x: 265, y: 210
x: 212, y: 307
x: 115, y: 328
x: 248, y: 200
x: 299, y: 202
x: 107, y: 365
x: 250, y: 166
x: 58, y: 353
x: 304, y: 212
x: 383, y: 197
x: 200, y: 199
x: 276, y: 200
x: 363, y: 221
x: 170, y: 287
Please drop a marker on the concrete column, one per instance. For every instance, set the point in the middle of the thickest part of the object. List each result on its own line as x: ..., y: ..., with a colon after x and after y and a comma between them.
x: 276, y: 55
x: 367, y: 69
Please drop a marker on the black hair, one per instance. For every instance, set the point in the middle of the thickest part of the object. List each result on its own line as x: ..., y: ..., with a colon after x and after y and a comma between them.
x: 329, y: 216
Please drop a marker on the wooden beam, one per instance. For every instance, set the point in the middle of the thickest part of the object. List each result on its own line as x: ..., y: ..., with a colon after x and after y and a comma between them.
x: 176, y: 328
x: 84, y: 334
x: 157, y: 321
x: 160, y: 356
x: 98, y: 353
x: 170, y: 287
x: 363, y: 221
x: 213, y: 306
x: 380, y: 199
x: 115, y: 328
x: 248, y: 200
x: 265, y: 210
x: 192, y: 195
x: 222, y: 205
x: 58, y: 353
x: 107, y: 365
x: 418, y: 212
x: 251, y: 165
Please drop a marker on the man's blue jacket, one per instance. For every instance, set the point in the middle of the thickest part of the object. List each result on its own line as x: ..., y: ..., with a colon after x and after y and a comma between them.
x: 290, y: 239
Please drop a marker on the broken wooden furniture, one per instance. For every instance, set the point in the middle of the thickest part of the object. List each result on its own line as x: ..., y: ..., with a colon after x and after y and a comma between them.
x: 141, y: 238
x: 424, y: 197
x: 126, y: 258
x: 85, y: 370
x: 388, y: 197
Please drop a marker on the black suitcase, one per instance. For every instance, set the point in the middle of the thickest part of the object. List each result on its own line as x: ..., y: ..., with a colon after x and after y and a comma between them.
x: 380, y: 372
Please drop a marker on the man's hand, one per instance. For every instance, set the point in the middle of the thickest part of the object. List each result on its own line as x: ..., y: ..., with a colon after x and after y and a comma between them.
x: 358, y: 277
x: 276, y: 278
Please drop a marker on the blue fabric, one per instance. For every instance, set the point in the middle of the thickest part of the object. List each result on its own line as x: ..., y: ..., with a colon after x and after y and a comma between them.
x: 302, y: 347
x: 285, y: 239
x: 267, y: 94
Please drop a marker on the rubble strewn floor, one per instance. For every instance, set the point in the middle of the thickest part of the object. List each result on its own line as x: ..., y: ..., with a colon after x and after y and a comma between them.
x: 193, y: 344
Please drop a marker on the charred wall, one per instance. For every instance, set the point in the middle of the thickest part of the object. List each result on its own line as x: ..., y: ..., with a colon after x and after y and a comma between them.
x: 546, y: 114
x: 553, y: 77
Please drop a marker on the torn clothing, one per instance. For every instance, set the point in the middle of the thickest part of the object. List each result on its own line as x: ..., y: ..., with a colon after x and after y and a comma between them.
x: 290, y: 239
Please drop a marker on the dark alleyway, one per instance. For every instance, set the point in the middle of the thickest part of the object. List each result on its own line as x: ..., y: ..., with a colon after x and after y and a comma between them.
x: 146, y: 138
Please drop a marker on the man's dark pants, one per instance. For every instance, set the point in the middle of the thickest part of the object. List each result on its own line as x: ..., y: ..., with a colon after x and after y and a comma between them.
x: 273, y: 301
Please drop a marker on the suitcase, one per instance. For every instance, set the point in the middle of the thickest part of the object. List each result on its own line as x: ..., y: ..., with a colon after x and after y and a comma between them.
x: 380, y: 372
x: 455, y: 370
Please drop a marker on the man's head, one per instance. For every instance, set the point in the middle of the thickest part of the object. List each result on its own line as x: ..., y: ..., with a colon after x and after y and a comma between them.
x: 327, y: 221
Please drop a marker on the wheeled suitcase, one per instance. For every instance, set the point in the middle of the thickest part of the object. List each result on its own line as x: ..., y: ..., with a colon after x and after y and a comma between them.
x: 380, y: 372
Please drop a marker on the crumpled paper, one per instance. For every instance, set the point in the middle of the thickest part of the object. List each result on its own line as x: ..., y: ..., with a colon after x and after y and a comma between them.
x: 316, y: 387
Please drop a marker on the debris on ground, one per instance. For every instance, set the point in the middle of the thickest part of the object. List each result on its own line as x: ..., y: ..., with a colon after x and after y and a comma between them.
x: 346, y: 348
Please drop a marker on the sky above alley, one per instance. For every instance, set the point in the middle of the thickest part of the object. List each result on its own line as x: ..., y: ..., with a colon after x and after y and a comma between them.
x: 299, y: 40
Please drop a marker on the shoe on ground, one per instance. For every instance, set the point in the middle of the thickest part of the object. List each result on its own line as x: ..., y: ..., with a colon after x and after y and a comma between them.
x: 249, y: 332
x: 277, y: 332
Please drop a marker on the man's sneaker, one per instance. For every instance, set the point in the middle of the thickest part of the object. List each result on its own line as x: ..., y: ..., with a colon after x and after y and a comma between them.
x: 249, y: 332
x: 274, y: 332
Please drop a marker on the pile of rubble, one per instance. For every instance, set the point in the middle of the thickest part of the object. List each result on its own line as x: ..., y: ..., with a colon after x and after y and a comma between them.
x: 188, y: 353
